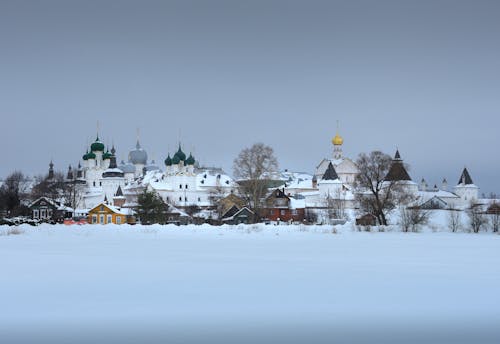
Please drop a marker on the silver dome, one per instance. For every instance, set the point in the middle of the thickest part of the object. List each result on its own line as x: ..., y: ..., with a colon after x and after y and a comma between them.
x: 138, y: 155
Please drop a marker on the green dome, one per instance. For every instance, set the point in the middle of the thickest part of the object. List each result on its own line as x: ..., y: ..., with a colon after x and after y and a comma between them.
x: 90, y: 155
x: 180, y: 154
x: 190, y: 160
x: 107, y: 155
x: 176, y: 160
x: 168, y: 160
x: 97, y: 146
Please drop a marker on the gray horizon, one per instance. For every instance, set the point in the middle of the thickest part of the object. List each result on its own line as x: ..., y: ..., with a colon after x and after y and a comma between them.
x: 420, y: 76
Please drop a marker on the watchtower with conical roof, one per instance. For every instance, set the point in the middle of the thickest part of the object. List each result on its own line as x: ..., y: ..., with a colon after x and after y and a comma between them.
x: 466, y: 189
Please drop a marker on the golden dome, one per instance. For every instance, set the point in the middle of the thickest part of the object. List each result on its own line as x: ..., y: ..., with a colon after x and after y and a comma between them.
x: 337, y: 140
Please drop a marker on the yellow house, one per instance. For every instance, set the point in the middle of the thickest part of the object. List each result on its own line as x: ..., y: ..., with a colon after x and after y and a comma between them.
x: 105, y: 213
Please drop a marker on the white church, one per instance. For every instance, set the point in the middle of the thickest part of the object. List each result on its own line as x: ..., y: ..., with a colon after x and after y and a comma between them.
x: 181, y: 183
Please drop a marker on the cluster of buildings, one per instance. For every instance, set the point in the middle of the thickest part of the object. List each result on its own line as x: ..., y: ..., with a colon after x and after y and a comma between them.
x: 106, y: 191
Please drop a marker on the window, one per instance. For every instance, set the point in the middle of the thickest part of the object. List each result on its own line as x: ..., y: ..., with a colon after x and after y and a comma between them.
x: 94, y: 218
x: 282, y: 212
x: 185, y: 199
x: 294, y: 212
x: 110, y: 219
x: 36, y: 213
x: 43, y: 214
x: 102, y: 208
x: 100, y: 183
x: 180, y: 186
x: 180, y: 199
x: 186, y: 186
x: 101, y: 219
x: 118, y: 220
x: 199, y: 199
x: 94, y: 183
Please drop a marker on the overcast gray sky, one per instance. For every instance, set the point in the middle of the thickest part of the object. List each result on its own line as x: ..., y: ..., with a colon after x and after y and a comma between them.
x: 423, y: 76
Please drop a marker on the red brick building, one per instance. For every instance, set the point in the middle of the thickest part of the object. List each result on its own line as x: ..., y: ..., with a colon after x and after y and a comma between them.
x: 280, y: 207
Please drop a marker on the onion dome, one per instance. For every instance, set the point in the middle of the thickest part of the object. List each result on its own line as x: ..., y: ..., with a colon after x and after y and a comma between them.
x: 138, y: 155
x: 86, y: 156
x: 337, y: 140
x: 90, y: 155
x: 97, y: 146
x: 107, y: 155
x: 180, y: 154
x: 190, y: 160
x: 176, y: 160
x: 168, y: 160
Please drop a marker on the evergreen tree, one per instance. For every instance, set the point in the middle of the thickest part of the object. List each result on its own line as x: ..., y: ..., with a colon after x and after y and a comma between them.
x: 151, y: 208
x: 12, y: 192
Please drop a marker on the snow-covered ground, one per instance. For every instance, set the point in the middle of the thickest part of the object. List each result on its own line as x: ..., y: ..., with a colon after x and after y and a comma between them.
x: 246, y: 284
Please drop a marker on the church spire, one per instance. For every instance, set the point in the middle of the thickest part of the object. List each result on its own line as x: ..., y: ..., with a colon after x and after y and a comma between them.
x: 51, y: 170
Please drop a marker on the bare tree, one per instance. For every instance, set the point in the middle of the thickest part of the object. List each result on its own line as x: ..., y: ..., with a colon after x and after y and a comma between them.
x: 58, y: 188
x: 72, y: 193
x: 494, y: 211
x: 477, y: 218
x: 411, y: 218
x: 375, y: 194
x: 454, y: 222
x: 254, y: 168
x: 310, y: 216
x: 215, y: 196
x: 335, y: 206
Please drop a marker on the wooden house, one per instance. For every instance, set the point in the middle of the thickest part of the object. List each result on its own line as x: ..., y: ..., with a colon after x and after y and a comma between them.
x: 46, y: 209
x: 236, y: 216
x: 107, y: 214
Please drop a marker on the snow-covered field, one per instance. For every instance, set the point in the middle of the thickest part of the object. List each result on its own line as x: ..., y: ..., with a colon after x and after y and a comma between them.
x: 246, y: 284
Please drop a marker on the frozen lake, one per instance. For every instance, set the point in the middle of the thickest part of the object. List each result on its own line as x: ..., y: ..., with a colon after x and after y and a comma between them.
x: 202, y: 283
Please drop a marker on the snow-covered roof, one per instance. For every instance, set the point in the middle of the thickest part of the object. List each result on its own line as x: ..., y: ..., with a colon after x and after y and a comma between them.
x: 297, y: 203
x: 206, y: 179
x: 427, y: 195
x: 114, y: 209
